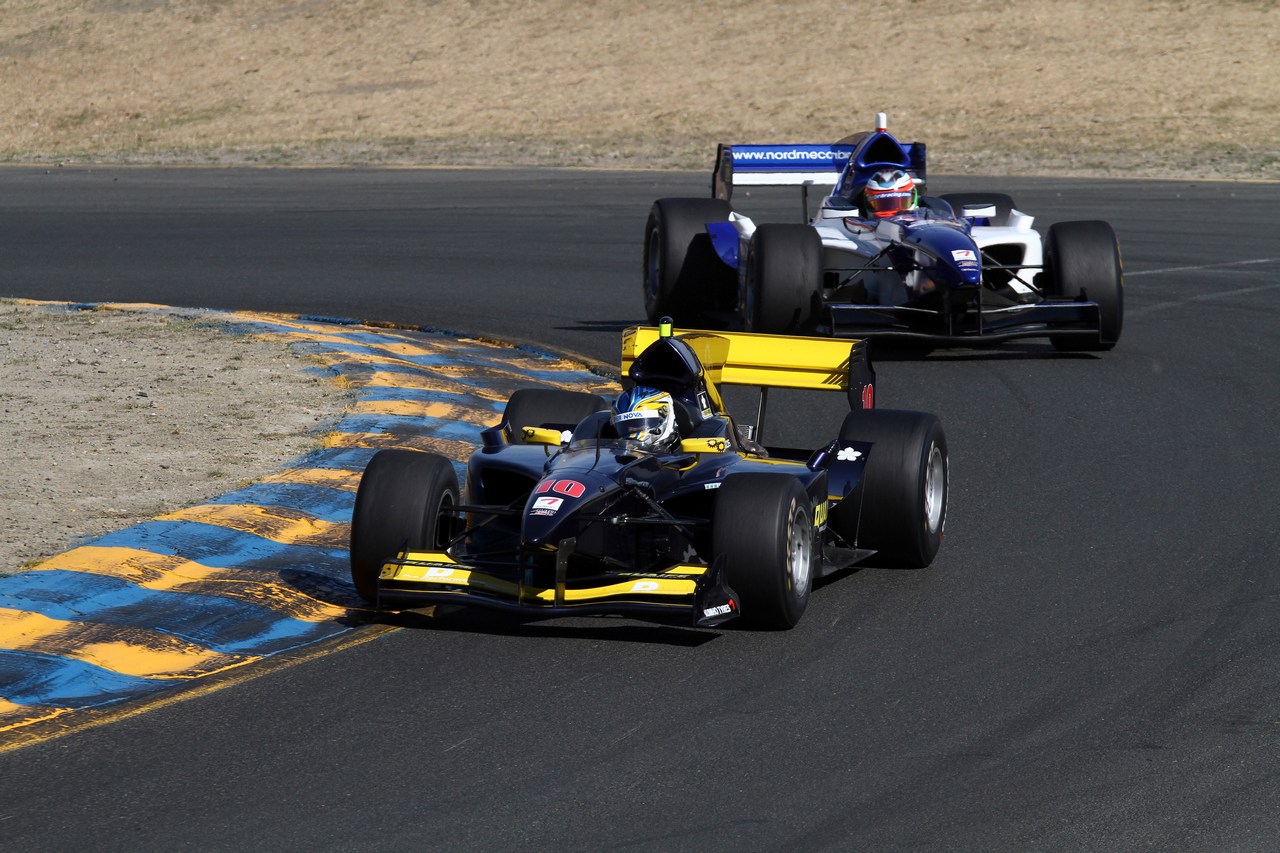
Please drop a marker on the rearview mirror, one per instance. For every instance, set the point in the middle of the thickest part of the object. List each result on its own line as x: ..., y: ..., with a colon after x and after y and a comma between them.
x: 540, y: 435
x: 704, y: 445
x: 978, y: 211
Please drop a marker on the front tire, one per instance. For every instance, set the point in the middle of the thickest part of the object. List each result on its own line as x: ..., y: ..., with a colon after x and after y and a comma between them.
x: 683, y: 275
x: 763, y: 526
x: 783, y: 287
x: 1082, y: 261
x: 900, y: 507
x: 399, y: 506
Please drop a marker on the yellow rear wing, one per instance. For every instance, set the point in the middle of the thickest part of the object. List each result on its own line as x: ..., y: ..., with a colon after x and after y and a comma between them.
x: 771, y: 361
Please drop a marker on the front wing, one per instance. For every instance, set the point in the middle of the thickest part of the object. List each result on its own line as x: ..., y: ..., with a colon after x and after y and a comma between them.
x: 689, y: 593
x: 989, y: 324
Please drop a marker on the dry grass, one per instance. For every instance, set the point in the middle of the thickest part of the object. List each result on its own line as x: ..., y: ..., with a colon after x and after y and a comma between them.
x: 1064, y: 87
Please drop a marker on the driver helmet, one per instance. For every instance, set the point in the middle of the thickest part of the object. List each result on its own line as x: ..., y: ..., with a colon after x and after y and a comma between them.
x: 645, y: 415
x: 890, y: 192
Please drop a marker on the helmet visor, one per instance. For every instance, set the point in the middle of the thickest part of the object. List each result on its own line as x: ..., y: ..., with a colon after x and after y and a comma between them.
x: 889, y: 202
x: 640, y: 425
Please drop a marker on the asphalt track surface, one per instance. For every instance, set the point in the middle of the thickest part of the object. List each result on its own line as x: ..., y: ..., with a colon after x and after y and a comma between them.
x: 1089, y: 664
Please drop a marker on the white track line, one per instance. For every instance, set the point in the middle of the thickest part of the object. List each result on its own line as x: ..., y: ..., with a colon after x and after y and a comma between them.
x: 1202, y: 297
x: 1203, y: 267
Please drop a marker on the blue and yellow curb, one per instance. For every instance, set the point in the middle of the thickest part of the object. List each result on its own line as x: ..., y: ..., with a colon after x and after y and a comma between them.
x: 207, y: 590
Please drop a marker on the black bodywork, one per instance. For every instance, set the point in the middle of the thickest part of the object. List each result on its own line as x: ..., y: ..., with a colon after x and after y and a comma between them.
x: 598, y: 524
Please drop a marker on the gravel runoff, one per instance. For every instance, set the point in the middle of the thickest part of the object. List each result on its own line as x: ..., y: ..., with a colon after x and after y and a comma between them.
x: 113, y: 416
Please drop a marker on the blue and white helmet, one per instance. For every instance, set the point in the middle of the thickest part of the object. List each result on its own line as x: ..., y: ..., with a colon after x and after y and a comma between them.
x: 645, y: 415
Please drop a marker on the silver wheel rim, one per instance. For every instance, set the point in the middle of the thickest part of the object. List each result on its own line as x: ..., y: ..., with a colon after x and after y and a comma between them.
x: 799, y: 553
x: 935, y: 489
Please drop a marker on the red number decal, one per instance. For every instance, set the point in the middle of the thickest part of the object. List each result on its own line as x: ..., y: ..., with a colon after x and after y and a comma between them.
x: 572, y: 488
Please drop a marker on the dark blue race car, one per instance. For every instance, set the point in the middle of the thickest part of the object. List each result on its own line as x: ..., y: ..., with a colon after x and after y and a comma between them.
x: 569, y: 511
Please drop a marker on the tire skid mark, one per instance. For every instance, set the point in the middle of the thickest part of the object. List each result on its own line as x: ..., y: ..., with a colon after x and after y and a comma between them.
x: 446, y: 411
x: 222, y: 546
x: 260, y: 571
x: 380, y: 382
x: 129, y: 651
x: 461, y: 433
x: 330, y: 504
x: 53, y: 682
x: 454, y: 449
x: 279, y: 524
x: 331, y: 478
x: 372, y: 394
x: 169, y: 573
x: 218, y: 623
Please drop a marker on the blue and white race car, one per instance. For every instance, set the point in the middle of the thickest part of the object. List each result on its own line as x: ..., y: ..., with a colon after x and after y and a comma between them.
x: 880, y: 258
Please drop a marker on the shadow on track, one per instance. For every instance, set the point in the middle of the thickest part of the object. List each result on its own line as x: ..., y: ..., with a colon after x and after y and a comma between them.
x: 476, y: 621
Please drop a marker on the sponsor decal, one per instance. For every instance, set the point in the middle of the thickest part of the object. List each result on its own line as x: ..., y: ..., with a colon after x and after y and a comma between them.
x: 638, y: 414
x: 419, y: 571
x: 964, y: 255
x: 438, y: 572
x: 710, y: 486
x: 645, y: 586
x: 868, y: 396
x: 848, y: 454
x: 719, y: 610
x: 820, y: 514
x: 790, y: 156
x: 546, y: 506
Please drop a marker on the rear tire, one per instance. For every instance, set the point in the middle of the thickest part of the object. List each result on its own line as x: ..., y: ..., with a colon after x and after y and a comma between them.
x: 1003, y: 204
x: 683, y: 275
x: 763, y: 526
x: 549, y: 407
x: 900, y: 506
x: 398, y: 506
x: 783, y: 287
x: 1082, y: 261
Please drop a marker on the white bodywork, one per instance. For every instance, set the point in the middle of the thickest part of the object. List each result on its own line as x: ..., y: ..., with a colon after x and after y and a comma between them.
x: 842, y: 232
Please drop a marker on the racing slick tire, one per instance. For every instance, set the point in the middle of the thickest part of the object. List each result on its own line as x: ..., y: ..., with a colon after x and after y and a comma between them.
x: 1003, y: 204
x: 1082, y: 261
x: 683, y: 275
x: 549, y: 407
x: 900, y: 506
x: 763, y: 526
x: 783, y: 285
x: 398, y: 506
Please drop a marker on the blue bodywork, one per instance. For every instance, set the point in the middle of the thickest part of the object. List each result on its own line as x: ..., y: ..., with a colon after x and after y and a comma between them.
x: 919, y: 275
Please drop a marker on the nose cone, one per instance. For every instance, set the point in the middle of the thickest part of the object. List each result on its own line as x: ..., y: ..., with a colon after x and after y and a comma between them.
x: 553, y: 508
x: 969, y: 273
x: 954, y: 258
